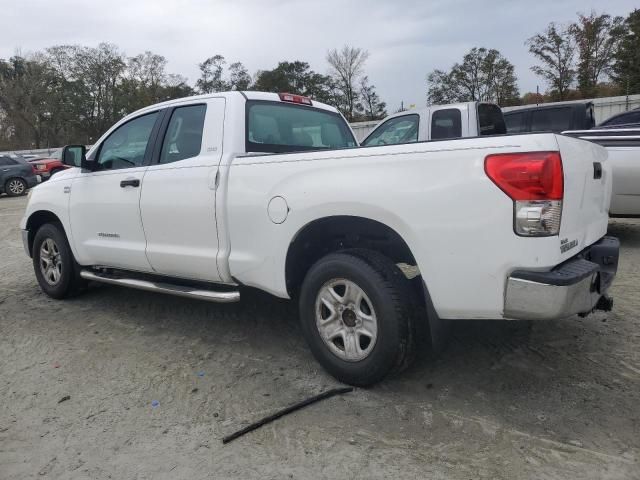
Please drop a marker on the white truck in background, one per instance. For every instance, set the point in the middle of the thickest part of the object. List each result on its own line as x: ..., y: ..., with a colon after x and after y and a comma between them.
x: 438, y: 122
x: 623, y: 147
x: 201, y: 196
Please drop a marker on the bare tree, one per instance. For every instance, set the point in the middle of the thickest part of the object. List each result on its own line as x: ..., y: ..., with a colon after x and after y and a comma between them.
x: 555, y: 49
x: 347, y: 65
x: 147, y: 68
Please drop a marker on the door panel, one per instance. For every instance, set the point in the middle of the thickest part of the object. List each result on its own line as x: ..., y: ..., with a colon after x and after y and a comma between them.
x: 105, y: 220
x: 104, y: 204
x: 178, y: 197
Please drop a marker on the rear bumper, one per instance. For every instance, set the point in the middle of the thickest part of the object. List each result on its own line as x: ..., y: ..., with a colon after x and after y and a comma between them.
x: 32, y: 180
x: 573, y: 287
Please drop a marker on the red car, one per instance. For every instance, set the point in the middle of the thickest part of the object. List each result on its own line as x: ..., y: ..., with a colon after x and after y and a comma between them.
x: 50, y: 165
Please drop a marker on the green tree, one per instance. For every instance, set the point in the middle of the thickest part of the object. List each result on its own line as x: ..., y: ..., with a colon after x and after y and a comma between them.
x: 296, y: 77
x: 373, y: 108
x: 597, y: 38
x: 626, y: 69
x: 145, y: 82
x: 239, y: 78
x: 211, y: 73
x: 555, y: 50
x: 483, y: 75
x: 26, y: 101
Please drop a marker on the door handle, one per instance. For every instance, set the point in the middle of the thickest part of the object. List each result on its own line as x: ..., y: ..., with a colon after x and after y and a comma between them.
x: 597, y: 170
x: 130, y: 182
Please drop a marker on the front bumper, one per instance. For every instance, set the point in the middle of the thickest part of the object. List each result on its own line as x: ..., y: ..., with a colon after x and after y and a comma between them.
x: 573, y: 287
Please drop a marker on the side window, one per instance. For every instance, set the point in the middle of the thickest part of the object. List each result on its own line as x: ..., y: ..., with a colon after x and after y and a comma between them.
x: 490, y: 120
x: 125, y: 147
x: 446, y: 123
x: 6, y: 161
x: 632, y: 117
x: 515, y: 122
x: 402, y: 129
x: 184, y: 134
x: 551, y: 119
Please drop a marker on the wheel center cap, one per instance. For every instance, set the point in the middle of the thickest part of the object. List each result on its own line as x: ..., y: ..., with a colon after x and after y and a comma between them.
x: 349, y: 317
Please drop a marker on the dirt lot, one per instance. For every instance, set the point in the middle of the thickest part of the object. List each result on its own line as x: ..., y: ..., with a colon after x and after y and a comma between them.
x: 506, y: 400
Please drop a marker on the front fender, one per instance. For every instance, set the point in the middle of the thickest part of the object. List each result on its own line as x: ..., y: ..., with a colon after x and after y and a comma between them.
x: 52, y: 197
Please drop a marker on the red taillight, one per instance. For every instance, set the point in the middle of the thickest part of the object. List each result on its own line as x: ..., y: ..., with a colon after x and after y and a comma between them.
x: 290, y: 97
x: 527, y: 176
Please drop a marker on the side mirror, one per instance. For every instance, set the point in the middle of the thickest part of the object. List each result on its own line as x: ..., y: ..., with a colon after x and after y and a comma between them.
x: 75, y: 156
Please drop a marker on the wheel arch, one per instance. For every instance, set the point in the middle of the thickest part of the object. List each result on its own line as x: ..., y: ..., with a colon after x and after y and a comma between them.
x: 328, y: 234
x: 36, y: 220
x: 331, y: 234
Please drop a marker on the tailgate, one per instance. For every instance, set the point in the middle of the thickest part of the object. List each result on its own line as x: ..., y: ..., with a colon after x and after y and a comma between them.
x: 587, y: 193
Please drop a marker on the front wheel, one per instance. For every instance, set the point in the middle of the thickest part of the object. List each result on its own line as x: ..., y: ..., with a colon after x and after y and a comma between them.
x: 56, y: 270
x: 357, y: 317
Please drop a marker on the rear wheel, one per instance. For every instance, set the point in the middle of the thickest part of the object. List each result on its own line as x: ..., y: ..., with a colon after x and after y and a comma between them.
x: 15, y: 187
x: 355, y: 309
x: 56, y: 270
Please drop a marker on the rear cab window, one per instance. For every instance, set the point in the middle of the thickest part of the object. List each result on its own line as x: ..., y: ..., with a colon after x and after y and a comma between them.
x: 278, y: 127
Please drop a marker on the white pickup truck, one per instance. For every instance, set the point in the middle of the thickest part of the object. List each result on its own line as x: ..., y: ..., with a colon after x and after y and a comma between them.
x: 438, y: 122
x: 623, y: 147
x: 202, y: 196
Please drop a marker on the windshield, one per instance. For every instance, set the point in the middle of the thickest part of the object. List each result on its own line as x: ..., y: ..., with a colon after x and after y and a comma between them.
x: 276, y: 127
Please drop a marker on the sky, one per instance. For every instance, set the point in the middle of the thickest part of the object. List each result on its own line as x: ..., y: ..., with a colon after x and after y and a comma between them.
x: 406, y: 39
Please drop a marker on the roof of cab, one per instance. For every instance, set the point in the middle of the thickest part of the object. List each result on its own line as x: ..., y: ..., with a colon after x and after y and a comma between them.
x: 249, y: 95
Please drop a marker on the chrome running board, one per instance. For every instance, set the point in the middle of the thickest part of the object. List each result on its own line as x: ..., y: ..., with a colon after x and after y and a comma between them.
x: 178, y: 290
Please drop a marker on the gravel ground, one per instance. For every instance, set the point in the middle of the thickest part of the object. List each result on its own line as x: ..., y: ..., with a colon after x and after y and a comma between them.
x: 506, y: 399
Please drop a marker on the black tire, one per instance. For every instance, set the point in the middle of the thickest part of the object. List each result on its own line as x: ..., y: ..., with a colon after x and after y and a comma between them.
x: 392, y: 302
x: 14, y: 187
x: 68, y: 282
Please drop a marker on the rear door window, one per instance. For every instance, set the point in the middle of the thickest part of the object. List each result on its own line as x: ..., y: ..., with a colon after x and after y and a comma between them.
x: 490, y: 120
x: 396, y: 130
x: 184, y: 134
x: 6, y: 162
x: 551, y: 119
x: 277, y: 127
x: 446, y: 123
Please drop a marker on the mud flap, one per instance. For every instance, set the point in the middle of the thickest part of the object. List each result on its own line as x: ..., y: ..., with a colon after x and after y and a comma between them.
x: 439, y: 329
